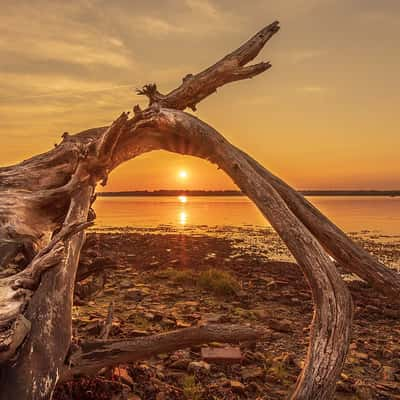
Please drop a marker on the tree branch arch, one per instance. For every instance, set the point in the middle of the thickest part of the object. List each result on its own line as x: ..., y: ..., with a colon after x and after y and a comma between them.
x: 45, y: 204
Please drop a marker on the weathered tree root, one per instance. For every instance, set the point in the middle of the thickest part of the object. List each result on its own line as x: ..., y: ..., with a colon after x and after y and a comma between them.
x: 40, y: 196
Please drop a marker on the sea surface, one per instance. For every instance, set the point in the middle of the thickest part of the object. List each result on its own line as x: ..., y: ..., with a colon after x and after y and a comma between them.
x: 379, y: 215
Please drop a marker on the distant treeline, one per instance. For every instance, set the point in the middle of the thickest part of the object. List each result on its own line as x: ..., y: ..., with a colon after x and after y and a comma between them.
x: 238, y: 193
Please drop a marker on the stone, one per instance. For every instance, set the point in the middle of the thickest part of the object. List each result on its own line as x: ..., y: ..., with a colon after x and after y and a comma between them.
x: 262, y: 315
x: 252, y: 372
x: 180, y: 364
x: 364, y: 391
x: 188, y: 303
x: 168, y: 322
x: 213, y: 318
x: 183, y: 324
x: 123, y: 375
x: 93, y: 327
x: 196, y: 366
x: 125, y: 284
x: 283, y: 325
x: 133, y: 396
x: 388, y: 373
x: 360, y: 356
x: 137, y: 332
x: 135, y: 295
x: 237, y: 386
x: 225, y: 355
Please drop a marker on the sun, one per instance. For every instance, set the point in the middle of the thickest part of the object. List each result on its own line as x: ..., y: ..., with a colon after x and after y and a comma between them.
x: 182, y: 199
x: 183, y: 174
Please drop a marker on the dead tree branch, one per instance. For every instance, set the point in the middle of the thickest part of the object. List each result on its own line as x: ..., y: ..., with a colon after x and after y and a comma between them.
x: 43, y: 196
x: 92, y: 356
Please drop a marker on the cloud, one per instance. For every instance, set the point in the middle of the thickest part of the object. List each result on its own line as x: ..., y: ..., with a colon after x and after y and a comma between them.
x: 154, y: 26
x: 69, y: 52
x: 204, y: 7
x: 302, y: 55
x: 25, y: 86
x: 56, y: 33
x: 312, y: 89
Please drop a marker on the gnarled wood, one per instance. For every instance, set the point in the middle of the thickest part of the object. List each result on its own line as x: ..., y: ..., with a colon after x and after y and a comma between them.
x: 40, y: 196
x: 195, y: 88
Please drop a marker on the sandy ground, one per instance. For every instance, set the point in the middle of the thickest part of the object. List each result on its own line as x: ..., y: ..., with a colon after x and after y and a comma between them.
x: 157, y: 283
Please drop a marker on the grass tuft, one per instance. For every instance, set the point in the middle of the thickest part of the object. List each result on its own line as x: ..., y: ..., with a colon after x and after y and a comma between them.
x: 217, y: 282
x: 191, y: 390
x: 181, y: 276
x: 221, y: 283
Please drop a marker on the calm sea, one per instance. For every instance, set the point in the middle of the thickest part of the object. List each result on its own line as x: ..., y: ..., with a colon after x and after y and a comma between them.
x: 353, y: 214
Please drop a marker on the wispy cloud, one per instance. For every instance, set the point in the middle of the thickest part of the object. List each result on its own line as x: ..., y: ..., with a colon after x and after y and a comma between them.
x: 68, y: 51
x: 204, y: 7
x: 154, y: 26
x: 302, y: 55
x: 312, y: 89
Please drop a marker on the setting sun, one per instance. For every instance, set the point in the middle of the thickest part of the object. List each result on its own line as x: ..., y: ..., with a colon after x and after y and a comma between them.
x: 183, y: 174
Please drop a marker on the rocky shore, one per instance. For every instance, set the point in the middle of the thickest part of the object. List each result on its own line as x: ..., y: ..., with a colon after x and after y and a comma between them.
x: 165, y: 281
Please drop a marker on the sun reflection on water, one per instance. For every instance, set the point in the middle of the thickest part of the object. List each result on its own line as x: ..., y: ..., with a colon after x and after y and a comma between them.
x: 183, y: 217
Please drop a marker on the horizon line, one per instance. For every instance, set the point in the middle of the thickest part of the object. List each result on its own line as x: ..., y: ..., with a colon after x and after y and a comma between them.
x: 231, y: 192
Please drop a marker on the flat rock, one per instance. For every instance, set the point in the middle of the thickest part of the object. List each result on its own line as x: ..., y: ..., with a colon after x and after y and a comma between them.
x: 224, y: 355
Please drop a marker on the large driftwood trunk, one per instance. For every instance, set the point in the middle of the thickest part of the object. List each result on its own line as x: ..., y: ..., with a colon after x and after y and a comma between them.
x: 45, y: 205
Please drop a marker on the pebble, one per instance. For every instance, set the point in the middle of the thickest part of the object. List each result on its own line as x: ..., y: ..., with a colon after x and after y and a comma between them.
x: 252, y: 372
x: 196, y: 366
x: 237, y: 386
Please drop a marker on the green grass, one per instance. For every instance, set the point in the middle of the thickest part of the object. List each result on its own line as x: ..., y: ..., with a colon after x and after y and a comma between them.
x: 181, y: 276
x: 191, y: 390
x: 215, y: 281
x: 221, y: 283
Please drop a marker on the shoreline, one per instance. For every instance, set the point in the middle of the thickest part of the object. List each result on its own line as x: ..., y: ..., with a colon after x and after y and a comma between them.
x: 234, y: 193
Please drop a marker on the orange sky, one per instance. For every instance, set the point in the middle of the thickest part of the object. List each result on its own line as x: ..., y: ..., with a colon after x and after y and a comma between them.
x: 325, y: 116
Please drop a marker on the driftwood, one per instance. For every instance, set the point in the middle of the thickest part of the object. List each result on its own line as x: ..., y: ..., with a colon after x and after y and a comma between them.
x: 91, y: 356
x: 45, y: 203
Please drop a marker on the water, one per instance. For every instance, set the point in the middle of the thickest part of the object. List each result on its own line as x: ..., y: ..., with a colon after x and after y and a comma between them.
x: 352, y: 214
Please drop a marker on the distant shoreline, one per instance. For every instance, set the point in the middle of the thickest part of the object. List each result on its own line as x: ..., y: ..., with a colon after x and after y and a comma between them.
x: 159, y: 193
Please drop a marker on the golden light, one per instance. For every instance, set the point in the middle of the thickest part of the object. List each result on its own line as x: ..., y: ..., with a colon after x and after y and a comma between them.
x: 182, y: 218
x: 183, y: 174
x: 182, y: 199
